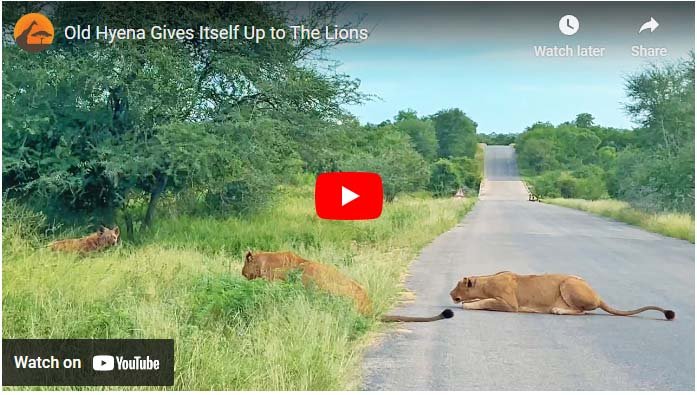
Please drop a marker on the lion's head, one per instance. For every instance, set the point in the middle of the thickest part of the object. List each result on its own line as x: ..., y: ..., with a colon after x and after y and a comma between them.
x: 267, y: 264
x: 466, y: 290
x: 251, y: 268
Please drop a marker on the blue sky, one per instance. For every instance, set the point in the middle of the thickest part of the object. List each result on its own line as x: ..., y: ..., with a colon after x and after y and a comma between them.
x: 481, y: 60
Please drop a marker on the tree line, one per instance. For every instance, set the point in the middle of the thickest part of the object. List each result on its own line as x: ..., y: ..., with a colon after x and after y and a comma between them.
x: 651, y: 166
x: 111, y: 133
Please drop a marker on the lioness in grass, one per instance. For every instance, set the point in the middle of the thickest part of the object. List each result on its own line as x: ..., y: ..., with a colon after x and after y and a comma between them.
x: 547, y: 293
x: 102, y: 238
x: 276, y: 265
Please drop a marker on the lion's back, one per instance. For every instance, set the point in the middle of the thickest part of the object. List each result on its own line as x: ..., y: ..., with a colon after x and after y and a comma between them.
x: 332, y: 280
x: 85, y: 244
x: 541, y: 289
x: 276, y: 265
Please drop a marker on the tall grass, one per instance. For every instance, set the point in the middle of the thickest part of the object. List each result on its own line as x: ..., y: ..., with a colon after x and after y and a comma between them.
x: 678, y: 225
x: 183, y: 281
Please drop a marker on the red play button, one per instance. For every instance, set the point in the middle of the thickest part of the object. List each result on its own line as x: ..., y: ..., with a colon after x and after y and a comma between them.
x: 348, y: 195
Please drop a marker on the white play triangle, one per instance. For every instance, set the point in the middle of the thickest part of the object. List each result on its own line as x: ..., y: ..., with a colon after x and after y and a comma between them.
x: 347, y: 196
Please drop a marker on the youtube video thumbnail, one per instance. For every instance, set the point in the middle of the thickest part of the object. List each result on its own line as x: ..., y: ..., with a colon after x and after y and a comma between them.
x: 380, y: 196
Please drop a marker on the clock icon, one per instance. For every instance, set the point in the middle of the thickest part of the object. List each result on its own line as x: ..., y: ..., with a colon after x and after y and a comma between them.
x: 569, y: 24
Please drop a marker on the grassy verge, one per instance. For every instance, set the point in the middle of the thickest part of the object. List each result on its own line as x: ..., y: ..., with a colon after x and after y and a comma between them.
x: 184, y: 282
x: 681, y: 226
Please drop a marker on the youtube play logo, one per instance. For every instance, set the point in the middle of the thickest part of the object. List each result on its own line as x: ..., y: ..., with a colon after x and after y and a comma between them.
x: 103, y: 363
x: 348, y: 195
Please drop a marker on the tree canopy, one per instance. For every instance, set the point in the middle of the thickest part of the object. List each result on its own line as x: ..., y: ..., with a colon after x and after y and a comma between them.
x: 456, y: 133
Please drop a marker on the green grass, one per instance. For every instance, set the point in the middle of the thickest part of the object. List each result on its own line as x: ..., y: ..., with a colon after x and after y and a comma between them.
x: 680, y: 226
x: 183, y: 281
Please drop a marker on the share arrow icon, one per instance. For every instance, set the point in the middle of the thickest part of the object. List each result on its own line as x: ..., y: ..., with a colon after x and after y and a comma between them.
x: 652, y: 24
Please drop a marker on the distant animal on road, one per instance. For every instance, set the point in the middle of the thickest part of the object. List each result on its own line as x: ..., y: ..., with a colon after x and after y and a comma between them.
x: 547, y: 293
x: 276, y: 266
x: 98, y: 240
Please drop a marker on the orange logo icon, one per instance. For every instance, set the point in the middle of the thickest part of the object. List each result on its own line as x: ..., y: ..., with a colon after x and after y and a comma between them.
x: 33, y: 32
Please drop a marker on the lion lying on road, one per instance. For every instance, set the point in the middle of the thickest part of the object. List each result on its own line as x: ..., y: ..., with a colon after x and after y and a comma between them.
x: 276, y: 265
x: 547, y: 293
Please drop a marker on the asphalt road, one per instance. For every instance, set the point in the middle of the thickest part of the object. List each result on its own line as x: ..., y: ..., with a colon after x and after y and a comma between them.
x: 483, y: 350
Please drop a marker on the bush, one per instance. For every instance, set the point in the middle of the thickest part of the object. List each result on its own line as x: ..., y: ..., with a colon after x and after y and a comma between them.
x: 445, y: 178
x: 655, y: 181
x: 590, y: 183
x: 567, y: 185
x: 591, y: 188
x: 586, y: 183
x: 546, y: 184
x: 469, y: 170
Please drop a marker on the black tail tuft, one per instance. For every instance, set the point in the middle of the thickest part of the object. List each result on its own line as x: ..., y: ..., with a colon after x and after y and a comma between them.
x: 670, y: 314
x: 447, y: 313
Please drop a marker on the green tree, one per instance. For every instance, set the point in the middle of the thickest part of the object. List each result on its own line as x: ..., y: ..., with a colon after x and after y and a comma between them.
x: 391, y: 155
x: 420, y: 131
x: 584, y: 120
x: 659, y: 175
x: 537, y: 155
x: 456, y: 133
x: 407, y: 114
x: 661, y: 100
x: 496, y: 138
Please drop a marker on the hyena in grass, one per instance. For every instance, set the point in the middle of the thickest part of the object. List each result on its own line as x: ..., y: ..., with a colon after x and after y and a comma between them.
x: 98, y: 240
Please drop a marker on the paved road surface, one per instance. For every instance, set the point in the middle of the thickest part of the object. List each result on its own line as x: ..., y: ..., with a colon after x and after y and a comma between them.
x: 482, y: 350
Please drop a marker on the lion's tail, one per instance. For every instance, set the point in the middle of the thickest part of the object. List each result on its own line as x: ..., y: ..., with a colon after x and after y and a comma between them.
x: 445, y: 314
x: 669, y: 314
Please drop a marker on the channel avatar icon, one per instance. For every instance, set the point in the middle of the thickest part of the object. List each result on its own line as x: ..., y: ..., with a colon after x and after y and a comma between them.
x: 348, y: 195
x: 33, y: 32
